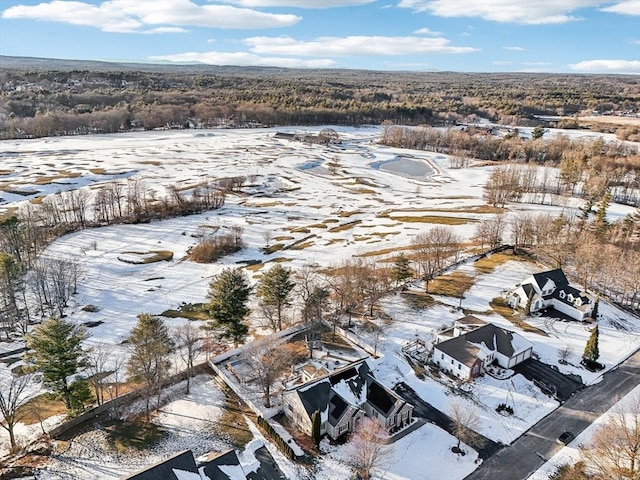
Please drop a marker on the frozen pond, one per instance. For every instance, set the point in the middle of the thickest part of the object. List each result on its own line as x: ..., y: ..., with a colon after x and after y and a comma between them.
x: 406, y: 167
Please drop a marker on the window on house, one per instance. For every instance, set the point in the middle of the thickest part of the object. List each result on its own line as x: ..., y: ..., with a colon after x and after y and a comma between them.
x: 452, y: 361
x: 442, y: 356
x: 459, y: 366
x: 343, y: 428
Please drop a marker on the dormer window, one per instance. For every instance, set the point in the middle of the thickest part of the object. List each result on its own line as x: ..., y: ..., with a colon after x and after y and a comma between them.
x: 578, y: 302
x: 562, y: 294
x: 570, y: 297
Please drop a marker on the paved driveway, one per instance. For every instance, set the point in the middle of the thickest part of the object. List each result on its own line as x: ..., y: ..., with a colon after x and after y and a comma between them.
x: 549, y: 379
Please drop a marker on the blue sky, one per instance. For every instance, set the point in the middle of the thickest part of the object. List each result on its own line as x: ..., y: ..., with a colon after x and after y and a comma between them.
x: 579, y: 36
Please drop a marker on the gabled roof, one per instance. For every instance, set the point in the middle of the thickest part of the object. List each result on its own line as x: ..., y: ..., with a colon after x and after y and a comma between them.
x: 337, y: 407
x: 466, y: 347
x: 316, y: 397
x: 557, y: 276
x: 380, y: 398
x: 215, y: 467
x: 165, y: 470
x: 458, y: 348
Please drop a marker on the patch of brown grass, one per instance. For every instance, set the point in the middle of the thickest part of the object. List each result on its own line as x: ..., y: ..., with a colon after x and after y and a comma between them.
x: 345, y: 226
x: 347, y: 214
x: 302, y: 246
x: 451, y: 285
x: 40, y: 408
x: 419, y: 300
x: 489, y: 263
x: 273, y: 248
x: 499, y: 306
x: 434, y: 219
x: 330, y: 220
x: 97, y: 171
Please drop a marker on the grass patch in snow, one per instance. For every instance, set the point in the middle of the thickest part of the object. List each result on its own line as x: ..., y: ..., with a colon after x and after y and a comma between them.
x: 134, y: 434
x: 141, y: 258
x: 254, y: 267
x: 347, y: 214
x: 490, y: 263
x: 301, y: 246
x: 419, y: 300
x: 331, y: 220
x: 40, y: 408
x: 231, y: 423
x: 283, y: 238
x: 273, y: 248
x: 500, y: 307
x: 435, y: 219
x: 451, y: 285
x: 190, y: 311
x: 345, y: 226
x: 97, y: 171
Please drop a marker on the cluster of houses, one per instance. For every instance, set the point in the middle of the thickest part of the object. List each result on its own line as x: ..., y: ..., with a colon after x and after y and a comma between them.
x: 344, y: 396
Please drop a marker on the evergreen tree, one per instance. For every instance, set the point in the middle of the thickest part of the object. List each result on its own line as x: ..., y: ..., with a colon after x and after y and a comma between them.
x: 401, y: 270
x: 591, y: 350
x: 54, y: 348
x: 594, y: 311
x: 315, y: 427
x: 227, y: 307
x: 150, y: 346
x: 274, y: 291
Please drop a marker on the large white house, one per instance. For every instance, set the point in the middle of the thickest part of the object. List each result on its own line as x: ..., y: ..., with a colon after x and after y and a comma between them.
x: 342, y: 398
x: 551, y: 289
x: 472, y: 344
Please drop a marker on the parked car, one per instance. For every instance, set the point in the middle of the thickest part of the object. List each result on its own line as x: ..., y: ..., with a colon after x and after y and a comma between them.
x: 565, y: 438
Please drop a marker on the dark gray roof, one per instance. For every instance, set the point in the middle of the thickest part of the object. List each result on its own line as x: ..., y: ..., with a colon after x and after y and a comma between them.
x: 212, y: 468
x: 464, y: 348
x: 380, y: 398
x: 315, y: 397
x: 557, y: 276
x: 164, y: 470
x: 337, y: 406
x: 460, y: 349
x: 528, y: 289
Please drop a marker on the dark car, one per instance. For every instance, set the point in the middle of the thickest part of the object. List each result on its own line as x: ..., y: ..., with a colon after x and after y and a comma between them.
x: 565, y: 438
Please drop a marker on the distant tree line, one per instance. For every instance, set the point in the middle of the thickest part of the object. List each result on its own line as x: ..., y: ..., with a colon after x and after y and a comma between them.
x: 38, y: 102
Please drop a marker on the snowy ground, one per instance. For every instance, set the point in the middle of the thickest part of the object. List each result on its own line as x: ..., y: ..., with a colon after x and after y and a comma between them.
x: 189, y: 422
x: 371, y: 202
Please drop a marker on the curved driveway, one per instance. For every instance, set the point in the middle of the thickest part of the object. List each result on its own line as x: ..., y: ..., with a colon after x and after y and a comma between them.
x: 534, y: 448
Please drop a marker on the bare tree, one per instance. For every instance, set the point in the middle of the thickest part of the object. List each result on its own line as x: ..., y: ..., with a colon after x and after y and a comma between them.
x: 13, y: 395
x: 614, y: 450
x: 435, y: 248
x: 564, y: 353
x: 189, y: 345
x: 367, y: 452
x: 267, y: 358
x: 98, y: 359
x: 466, y: 421
x: 53, y: 281
x: 490, y: 231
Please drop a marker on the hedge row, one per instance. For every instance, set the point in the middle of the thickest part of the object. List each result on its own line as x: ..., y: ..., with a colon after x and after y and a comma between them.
x: 282, y: 444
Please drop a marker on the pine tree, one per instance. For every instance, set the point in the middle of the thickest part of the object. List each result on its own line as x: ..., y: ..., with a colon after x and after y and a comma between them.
x: 54, y: 348
x: 227, y: 307
x: 150, y: 346
x: 594, y: 311
x: 274, y: 291
x: 315, y: 427
x: 401, y: 270
x: 591, y: 350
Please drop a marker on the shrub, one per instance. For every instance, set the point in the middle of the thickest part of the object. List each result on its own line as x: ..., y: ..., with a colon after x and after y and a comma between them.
x: 214, y: 247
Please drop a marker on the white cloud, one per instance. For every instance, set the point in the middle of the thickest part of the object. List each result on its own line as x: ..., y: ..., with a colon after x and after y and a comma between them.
x: 154, y: 31
x: 607, y: 66
x: 628, y: 7
x: 501, y: 62
x: 426, y: 31
x: 352, y: 46
x: 299, y: 3
x: 129, y: 16
x: 242, y: 58
x: 518, y: 11
x: 636, y: 42
x: 536, y: 64
x: 515, y: 49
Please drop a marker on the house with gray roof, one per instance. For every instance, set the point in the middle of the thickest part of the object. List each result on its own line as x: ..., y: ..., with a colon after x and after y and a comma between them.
x: 551, y: 289
x: 342, y: 398
x: 181, y: 466
x: 465, y: 352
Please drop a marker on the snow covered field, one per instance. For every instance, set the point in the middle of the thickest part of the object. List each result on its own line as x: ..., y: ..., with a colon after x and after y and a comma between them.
x: 342, y: 201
